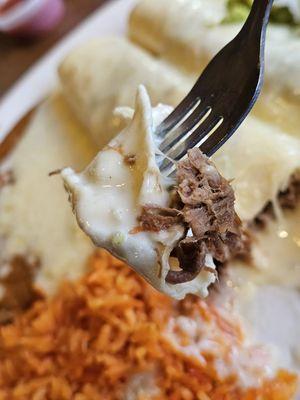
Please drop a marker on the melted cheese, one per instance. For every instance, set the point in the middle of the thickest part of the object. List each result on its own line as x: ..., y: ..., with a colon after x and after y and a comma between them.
x: 266, y: 293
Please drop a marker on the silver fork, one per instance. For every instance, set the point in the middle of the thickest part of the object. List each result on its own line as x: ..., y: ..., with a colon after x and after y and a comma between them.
x: 222, y: 97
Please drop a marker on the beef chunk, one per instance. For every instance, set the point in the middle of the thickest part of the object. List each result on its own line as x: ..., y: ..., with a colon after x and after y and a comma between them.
x: 290, y: 197
x: 206, y: 209
x: 203, y: 190
x: 156, y: 219
x: 287, y: 199
x: 191, y: 256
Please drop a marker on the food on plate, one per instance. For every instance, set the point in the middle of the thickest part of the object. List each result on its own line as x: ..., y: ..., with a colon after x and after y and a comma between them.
x: 124, y: 203
x: 94, y: 327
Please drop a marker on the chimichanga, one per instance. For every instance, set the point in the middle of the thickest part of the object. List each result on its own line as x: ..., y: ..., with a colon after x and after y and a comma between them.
x: 189, y: 33
x: 105, y: 73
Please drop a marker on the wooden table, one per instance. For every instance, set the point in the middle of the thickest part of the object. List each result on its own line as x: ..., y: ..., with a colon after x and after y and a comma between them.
x: 16, y: 56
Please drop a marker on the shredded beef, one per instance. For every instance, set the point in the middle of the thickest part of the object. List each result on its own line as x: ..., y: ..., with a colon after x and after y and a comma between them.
x: 290, y: 197
x: 206, y: 209
x: 156, y: 219
x: 262, y: 219
x: 203, y: 189
x: 191, y: 256
x: 198, y: 219
x: 287, y: 199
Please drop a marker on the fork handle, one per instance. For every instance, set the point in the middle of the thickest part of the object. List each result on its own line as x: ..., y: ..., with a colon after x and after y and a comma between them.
x: 256, y: 23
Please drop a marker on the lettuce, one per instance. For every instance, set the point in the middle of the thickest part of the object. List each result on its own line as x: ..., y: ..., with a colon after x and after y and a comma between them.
x: 238, y: 10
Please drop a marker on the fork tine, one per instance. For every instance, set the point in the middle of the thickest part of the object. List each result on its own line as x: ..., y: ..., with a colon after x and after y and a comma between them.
x: 214, y: 139
x: 178, y: 151
x: 217, y: 139
x: 177, y: 115
x: 185, y: 128
x: 167, y: 167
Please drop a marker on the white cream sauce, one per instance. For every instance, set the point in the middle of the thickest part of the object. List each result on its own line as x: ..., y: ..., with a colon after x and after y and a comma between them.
x: 34, y: 219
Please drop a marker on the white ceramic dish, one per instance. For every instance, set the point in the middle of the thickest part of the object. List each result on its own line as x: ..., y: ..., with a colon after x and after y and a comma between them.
x: 38, y: 81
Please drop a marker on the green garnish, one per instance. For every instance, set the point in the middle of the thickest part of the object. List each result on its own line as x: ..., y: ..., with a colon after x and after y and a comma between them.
x: 238, y: 10
x: 283, y: 15
x: 118, y: 239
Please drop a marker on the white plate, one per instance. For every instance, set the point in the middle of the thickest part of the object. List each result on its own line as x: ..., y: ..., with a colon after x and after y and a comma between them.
x: 110, y: 19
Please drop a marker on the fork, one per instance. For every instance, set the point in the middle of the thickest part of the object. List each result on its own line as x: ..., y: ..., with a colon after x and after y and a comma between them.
x: 222, y: 97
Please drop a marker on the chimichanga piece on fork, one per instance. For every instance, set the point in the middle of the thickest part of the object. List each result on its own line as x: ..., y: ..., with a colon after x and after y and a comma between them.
x: 105, y: 73
x: 188, y: 34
